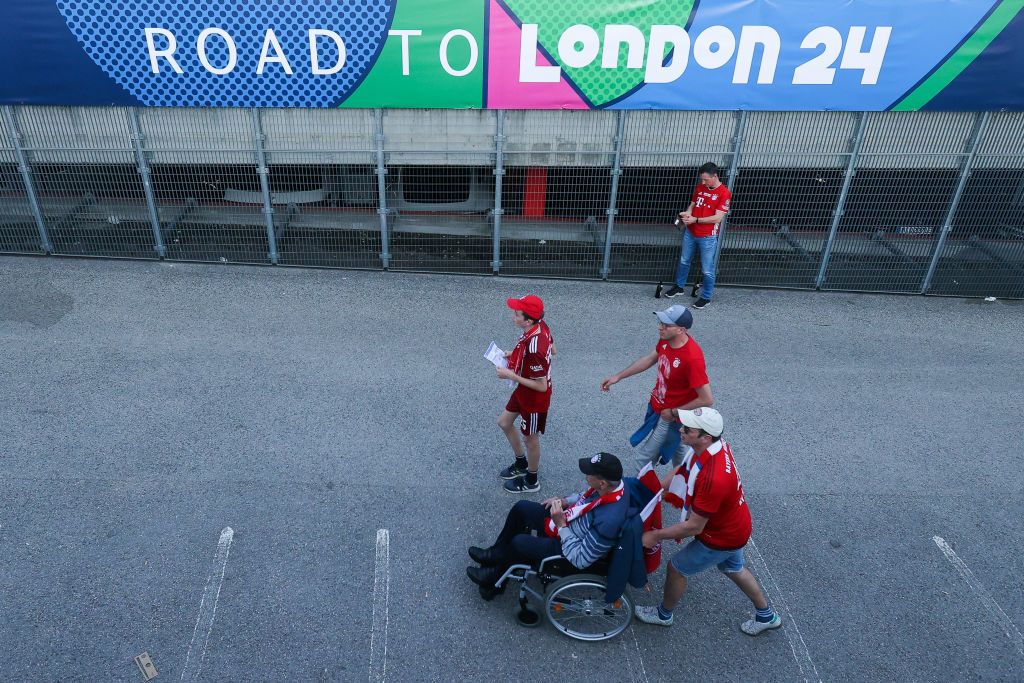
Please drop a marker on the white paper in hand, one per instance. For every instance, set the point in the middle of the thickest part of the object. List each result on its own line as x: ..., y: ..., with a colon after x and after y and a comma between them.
x: 497, y: 356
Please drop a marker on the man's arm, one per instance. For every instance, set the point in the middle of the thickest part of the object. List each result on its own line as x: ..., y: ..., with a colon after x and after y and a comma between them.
x: 704, y: 400
x: 639, y: 365
x: 540, y: 384
x: 708, y: 220
x: 693, y: 525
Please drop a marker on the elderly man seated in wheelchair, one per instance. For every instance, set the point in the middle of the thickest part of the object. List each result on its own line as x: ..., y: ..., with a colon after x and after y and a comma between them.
x: 583, y: 528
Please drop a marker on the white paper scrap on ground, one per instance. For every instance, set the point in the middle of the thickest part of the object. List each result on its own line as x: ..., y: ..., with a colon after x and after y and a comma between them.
x: 497, y: 356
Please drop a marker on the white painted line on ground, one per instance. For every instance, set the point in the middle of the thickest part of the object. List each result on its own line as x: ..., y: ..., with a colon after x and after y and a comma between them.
x: 379, y: 631
x: 1009, y: 628
x: 774, y: 594
x: 637, y: 672
x: 208, y: 608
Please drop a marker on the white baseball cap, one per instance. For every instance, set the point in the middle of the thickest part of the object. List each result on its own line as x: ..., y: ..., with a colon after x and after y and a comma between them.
x: 708, y: 419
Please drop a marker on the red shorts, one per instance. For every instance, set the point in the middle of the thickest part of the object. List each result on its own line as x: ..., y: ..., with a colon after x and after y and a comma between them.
x: 529, y: 423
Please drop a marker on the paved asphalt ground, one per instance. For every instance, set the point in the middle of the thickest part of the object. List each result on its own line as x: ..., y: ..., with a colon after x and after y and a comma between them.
x: 148, y: 406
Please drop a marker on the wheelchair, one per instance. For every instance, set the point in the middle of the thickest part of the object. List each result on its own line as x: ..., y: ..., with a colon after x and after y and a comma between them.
x: 572, y: 600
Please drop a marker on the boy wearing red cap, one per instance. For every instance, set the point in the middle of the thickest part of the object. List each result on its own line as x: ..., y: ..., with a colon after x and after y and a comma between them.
x: 529, y: 366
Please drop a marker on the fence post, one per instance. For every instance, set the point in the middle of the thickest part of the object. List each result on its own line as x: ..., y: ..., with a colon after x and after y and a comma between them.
x: 499, y: 173
x: 741, y: 123
x: 26, y: 177
x: 620, y: 130
x: 264, y: 172
x: 980, y: 122
x: 147, y: 184
x: 837, y: 213
x: 382, y: 186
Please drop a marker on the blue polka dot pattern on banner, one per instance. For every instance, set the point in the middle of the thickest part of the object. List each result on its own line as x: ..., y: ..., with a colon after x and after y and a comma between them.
x: 113, y: 34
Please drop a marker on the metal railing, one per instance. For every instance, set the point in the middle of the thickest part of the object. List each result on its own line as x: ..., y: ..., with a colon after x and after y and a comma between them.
x: 918, y: 202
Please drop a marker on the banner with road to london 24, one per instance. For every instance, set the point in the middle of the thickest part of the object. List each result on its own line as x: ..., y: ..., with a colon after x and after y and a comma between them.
x: 517, y: 54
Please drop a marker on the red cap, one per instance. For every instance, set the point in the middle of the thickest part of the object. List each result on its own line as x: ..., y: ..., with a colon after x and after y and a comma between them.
x: 530, y: 305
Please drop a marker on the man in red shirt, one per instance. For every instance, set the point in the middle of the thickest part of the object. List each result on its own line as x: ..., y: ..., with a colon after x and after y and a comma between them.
x: 708, y: 488
x: 682, y: 383
x: 529, y: 366
x: 708, y: 205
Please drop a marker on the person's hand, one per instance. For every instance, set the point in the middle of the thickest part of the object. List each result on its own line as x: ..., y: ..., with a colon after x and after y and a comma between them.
x: 505, y: 373
x: 669, y: 415
x: 550, y: 502
x: 689, y: 220
x: 557, y: 514
x: 607, y: 383
x: 651, y: 539
x: 507, y: 354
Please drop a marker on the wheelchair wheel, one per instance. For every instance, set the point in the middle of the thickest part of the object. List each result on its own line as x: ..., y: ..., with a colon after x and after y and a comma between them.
x: 575, y: 606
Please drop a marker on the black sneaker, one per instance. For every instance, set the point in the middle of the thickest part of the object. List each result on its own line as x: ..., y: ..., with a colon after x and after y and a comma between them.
x: 672, y: 291
x: 520, y: 485
x: 512, y: 472
x: 701, y: 303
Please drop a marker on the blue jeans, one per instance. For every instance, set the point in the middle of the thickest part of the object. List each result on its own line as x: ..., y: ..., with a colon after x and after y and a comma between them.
x: 707, y: 245
x: 695, y: 557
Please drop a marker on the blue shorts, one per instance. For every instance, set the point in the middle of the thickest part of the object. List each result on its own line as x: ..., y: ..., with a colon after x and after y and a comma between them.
x: 696, y: 557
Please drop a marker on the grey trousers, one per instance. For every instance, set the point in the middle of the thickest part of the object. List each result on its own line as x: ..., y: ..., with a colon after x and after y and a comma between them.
x: 650, y: 449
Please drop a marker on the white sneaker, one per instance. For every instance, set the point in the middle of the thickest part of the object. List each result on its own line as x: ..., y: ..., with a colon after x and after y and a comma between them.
x: 649, y: 615
x: 753, y: 627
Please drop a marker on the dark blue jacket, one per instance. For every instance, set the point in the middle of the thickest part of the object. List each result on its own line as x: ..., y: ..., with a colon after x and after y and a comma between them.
x: 627, y: 563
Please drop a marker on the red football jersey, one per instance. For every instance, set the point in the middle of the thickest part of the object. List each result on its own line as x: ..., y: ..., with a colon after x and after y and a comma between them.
x: 680, y: 372
x: 714, y: 490
x: 531, y: 358
x: 705, y: 203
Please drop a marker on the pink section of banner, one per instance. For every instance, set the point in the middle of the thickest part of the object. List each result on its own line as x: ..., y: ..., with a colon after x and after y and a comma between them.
x: 504, y: 91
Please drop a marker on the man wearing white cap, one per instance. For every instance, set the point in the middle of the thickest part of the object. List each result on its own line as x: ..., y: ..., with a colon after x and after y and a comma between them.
x: 707, y: 487
x: 682, y: 383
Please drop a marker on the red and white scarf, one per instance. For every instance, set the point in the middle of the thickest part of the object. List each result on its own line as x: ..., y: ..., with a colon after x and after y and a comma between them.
x: 651, y: 515
x: 582, y: 507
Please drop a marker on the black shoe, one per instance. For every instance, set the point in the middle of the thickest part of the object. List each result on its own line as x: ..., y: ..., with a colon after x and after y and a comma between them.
x: 512, y: 472
x: 483, y: 576
x: 483, y: 556
x: 488, y: 593
x: 672, y: 291
x: 701, y: 303
x: 521, y: 486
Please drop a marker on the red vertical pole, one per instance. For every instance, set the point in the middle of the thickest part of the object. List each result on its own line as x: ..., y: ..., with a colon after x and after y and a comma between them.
x: 535, y: 192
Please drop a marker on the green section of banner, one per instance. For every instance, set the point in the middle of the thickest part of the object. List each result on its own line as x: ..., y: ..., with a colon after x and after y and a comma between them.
x: 597, y: 84
x: 962, y: 57
x: 427, y: 84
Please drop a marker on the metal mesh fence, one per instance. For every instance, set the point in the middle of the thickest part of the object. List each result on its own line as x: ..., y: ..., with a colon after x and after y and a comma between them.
x: 18, y: 231
x: 792, y: 171
x: 905, y: 178
x: 882, y: 201
x: 556, y: 193
x: 984, y: 252
x: 440, y: 189
x: 87, y: 187
x: 661, y: 152
x: 323, y: 188
x: 206, y: 183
